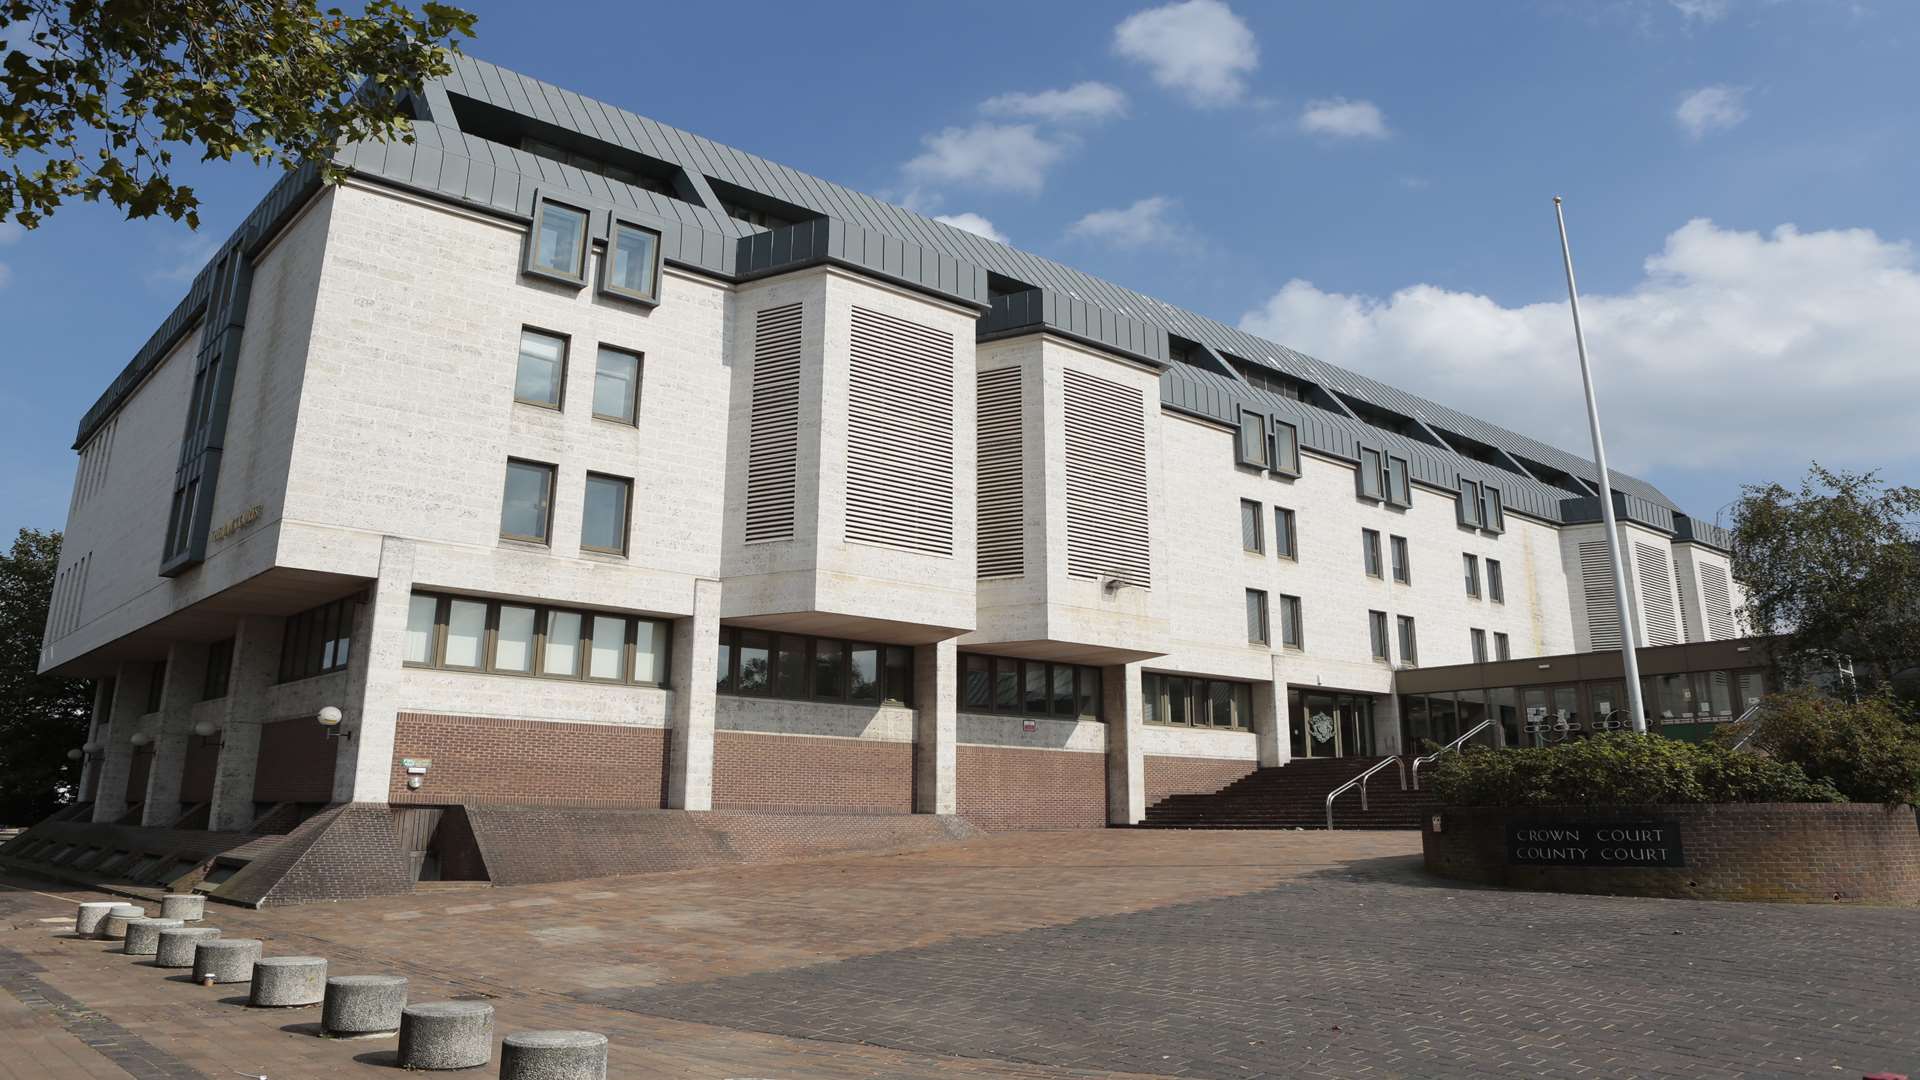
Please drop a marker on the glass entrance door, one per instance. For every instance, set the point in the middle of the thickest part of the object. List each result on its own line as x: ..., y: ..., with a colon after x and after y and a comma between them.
x: 1332, y: 725
x: 1550, y: 714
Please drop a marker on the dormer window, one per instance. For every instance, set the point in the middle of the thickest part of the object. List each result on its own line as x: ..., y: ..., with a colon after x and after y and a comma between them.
x: 1469, y: 508
x: 1286, y: 449
x: 557, y: 247
x: 1371, y: 480
x: 1399, y: 486
x: 1493, y: 516
x: 1252, y: 448
x: 632, y: 266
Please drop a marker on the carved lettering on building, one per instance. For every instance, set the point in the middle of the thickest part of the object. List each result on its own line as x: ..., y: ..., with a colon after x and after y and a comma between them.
x: 235, y: 523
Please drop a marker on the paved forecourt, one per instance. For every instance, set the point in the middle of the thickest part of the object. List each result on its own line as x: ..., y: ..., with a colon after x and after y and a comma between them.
x: 1203, y: 954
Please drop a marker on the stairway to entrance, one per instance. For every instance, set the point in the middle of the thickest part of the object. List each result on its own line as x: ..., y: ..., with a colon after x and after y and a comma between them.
x: 1294, y: 796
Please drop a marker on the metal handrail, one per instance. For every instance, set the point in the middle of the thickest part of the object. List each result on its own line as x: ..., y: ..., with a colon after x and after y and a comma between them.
x: 1454, y: 745
x: 1751, y: 732
x: 1361, y: 782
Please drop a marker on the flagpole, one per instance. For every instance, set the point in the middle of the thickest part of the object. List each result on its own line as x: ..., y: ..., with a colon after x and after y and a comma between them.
x: 1629, y: 661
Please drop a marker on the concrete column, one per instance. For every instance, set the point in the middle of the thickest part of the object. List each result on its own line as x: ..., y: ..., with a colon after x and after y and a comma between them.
x: 363, y: 769
x: 696, y: 661
x: 256, y: 662
x: 1126, y: 768
x: 936, y: 685
x: 116, y: 763
x: 97, y: 732
x: 186, y: 676
x: 1270, y: 740
x: 1386, y: 725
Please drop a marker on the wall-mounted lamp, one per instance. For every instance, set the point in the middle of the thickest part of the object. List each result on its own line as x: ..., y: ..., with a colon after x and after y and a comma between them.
x: 329, y: 718
x: 206, y: 730
x: 90, y: 749
x: 76, y: 754
x: 139, y: 739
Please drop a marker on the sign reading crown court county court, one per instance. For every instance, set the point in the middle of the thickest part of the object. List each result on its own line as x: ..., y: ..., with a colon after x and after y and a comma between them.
x: 1594, y: 843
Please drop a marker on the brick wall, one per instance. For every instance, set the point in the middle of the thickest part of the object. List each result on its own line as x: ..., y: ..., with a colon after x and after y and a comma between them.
x: 1808, y: 853
x: 295, y: 763
x: 1007, y: 788
x: 1191, y: 776
x: 794, y: 772
x: 479, y: 760
x: 196, y: 772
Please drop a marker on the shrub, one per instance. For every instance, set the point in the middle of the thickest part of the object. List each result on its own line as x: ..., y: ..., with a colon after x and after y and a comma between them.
x: 1867, y: 751
x: 1620, y: 768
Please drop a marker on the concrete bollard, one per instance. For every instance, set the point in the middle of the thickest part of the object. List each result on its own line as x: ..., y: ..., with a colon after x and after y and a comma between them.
x: 92, y: 916
x: 285, y: 981
x: 554, y: 1055
x: 115, y: 928
x: 225, y: 960
x: 361, y: 1005
x: 446, y: 1035
x: 174, y: 946
x: 187, y: 907
x: 143, y: 935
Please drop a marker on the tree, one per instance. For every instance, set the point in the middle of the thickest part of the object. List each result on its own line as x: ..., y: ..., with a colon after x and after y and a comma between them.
x: 94, y: 94
x: 1833, y: 568
x: 41, y: 717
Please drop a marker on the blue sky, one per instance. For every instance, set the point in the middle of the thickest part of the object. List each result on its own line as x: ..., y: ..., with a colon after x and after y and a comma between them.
x: 1369, y: 182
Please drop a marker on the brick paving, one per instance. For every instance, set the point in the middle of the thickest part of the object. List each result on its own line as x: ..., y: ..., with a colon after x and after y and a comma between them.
x: 1029, y: 955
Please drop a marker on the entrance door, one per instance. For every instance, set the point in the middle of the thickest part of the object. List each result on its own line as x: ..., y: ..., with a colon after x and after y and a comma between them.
x: 1550, y: 714
x: 1333, y: 725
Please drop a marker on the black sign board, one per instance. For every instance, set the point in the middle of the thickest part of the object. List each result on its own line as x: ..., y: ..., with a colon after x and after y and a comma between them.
x: 1594, y: 843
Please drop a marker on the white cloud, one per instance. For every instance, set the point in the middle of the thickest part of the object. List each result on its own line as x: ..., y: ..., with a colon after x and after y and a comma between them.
x: 1736, y: 349
x: 973, y: 223
x: 1197, y: 48
x: 1711, y: 108
x: 187, y: 256
x: 1146, y: 222
x: 1005, y: 157
x: 1702, y: 11
x: 1343, y: 119
x: 1087, y: 102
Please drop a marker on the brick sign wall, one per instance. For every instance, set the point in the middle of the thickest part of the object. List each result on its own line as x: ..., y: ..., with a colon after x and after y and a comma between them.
x: 754, y: 771
x: 480, y: 760
x: 1009, y: 788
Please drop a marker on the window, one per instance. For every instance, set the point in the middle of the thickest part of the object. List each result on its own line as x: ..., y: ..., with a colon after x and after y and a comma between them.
x: 1493, y: 517
x: 632, y: 265
x: 1370, y: 478
x: 1189, y: 702
x: 510, y: 638
x: 1399, y: 486
x: 797, y: 667
x: 1469, y: 505
x: 156, y: 686
x: 317, y: 641
x: 1286, y: 449
x: 558, y: 245
x: 219, y: 670
x: 1377, y: 634
x: 527, y: 508
x: 1496, y: 587
x: 1472, y: 563
x: 603, y: 516
x: 1479, y: 639
x: 1257, y: 633
x: 1290, y: 622
x: 1402, y: 568
x: 1252, y: 534
x: 616, y: 386
x: 1370, y: 551
x: 1502, y: 648
x: 543, y: 369
x: 1409, y: 646
x: 1284, y: 544
x: 1252, y: 449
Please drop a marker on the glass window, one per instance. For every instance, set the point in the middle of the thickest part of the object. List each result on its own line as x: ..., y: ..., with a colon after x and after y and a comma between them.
x: 790, y: 667
x: 1290, y: 634
x: 829, y: 669
x: 1089, y: 691
x: 1502, y: 647
x: 1752, y: 689
x: 649, y: 652
x: 1150, y: 704
x: 632, y: 259
x: 1253, y: 438
x: 421, y: 611
x: 1492, y: 517
x: 220, y: 669
x: 1469, y: 504
x: 1242, y: 705
x: 1496, y: 585
x: 562, y: 654
x: 1252, y: 535
x: 1478, y: 639
x: 1006, y: 684
x: 723, y: 677
x: 560, y: 240
x: 616, y: 385
x: 1369, y: 478
x: 1179, y: 695
x: 897, y: 679
x: 1034, y: 687
x: 603, y: 518
x: 1399, y: 488
x: 1257, y: 617
x: 754, y: 662
x: 605, y: 659
x: 1409, y: 651
x: 542, y: 369
x: 1370, y: 551
x: 1064, y: 701
x: 863, y: 671
x: 527, y: 505
x: 1472, y: 565
x: 1402, y: 568
x: 466, y: 626
x: 1286, y: 449
x: 1283, y: 538
x: 1220, y: 703
x: 1377, y: 633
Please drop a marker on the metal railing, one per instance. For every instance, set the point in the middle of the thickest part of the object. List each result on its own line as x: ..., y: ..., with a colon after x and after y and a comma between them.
x: 1454, y: 745
x: 1361, y: 783
x: 1750, y: 732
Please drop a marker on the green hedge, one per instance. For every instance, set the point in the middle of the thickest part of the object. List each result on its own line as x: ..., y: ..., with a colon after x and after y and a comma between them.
x: 1620, y: 768
x: 1869, y: 751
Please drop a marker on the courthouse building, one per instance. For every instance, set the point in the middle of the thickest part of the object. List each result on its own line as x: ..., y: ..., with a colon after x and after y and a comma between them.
x: 584, y: 463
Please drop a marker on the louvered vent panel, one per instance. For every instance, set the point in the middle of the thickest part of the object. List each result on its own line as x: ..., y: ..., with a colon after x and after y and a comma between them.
x: 1106, y: 459
x: 773, y: 436
x: 900, y: 434
x: 1656, y: 595
x: 1603, y: 612
x: 1717, y: 597
x: 1002, y: 483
